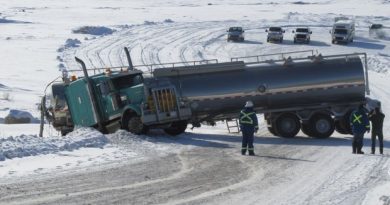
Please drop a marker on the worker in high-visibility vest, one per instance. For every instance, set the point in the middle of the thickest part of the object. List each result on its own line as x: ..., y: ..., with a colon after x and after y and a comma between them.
x: 359, y: 124
x: 248, y: 126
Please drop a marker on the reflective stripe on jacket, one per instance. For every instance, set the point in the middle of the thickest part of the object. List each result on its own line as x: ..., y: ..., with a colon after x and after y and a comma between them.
x: 248, y: 120
x: 359, y: 122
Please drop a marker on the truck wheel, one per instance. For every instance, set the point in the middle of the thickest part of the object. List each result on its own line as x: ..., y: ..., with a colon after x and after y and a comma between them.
x: 65, y: 132
x: 344, y: 124
x: 272, y: 130
x: 306, y: 129
x: 134, y: 125
x: 333, y: 41
x: 322, y: 126
x: 340, y: 127
x: 287, y: 125
x: 267, y: 39
x: 176, y: 128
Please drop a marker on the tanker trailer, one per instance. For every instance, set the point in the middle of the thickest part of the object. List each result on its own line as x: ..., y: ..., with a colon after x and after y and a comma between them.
x: 315, y: 94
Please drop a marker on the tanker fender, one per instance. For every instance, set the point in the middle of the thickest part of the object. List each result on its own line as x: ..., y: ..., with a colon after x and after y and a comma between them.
x: 129, y: 109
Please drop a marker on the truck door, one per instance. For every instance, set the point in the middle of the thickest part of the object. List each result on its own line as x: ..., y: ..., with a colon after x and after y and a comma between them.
x: 110, y: 100
x: 80, y: 104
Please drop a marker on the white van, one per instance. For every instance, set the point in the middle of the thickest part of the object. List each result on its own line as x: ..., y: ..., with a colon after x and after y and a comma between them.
x: 343, y: 30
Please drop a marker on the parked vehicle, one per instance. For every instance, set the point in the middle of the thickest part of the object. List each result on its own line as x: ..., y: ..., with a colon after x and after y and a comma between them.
x: 235, y: 34
x: 302, y: 35
x: 343, y: 30
x: 314, y: 94
x: 275, y: 34
x: 377, y: 31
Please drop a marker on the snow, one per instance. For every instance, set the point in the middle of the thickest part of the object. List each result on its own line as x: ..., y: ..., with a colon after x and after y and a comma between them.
x: 38, y: 37
x: 30, y: 145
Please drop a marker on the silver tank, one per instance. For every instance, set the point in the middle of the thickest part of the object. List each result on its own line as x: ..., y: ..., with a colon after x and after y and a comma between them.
x: 216, y: 90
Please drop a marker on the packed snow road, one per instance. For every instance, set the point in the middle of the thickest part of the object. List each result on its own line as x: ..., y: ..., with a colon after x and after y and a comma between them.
x: 285, y: 171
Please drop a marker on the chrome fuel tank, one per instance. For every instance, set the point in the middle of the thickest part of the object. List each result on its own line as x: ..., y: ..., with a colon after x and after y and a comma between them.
x: 217, y: 89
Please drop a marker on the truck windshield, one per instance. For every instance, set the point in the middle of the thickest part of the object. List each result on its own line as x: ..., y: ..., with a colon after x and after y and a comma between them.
x: 127, y: 81
x: 275, y: 29
x: 303, y: 30
x: 340, y: 31
x: 232, y: 29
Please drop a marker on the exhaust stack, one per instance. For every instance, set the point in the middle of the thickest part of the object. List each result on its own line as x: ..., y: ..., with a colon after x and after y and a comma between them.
x: 92, y: 94
x: 131, y: 67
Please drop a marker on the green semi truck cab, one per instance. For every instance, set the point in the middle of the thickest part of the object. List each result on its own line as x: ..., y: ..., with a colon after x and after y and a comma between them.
x: 121, y: 100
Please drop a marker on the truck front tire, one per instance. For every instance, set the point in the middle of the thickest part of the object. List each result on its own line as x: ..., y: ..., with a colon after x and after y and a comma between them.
x: 176, y: 128
x: 133, y: 124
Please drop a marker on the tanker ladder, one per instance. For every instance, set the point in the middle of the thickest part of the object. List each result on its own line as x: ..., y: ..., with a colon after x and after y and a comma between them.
x: 231, y: 124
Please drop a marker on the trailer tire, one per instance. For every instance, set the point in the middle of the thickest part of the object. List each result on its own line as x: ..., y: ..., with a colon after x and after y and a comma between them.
x: 306, y: 129
x: 322, y: 126
x: 272, y: 130
x: 133, y: 123
x: 340, y: 127
x: 287, y: 125
x: 176, y: 128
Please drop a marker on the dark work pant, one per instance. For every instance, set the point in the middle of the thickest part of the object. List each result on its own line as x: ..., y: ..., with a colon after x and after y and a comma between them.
x: 373, y: 140
x: 247, y: 140
x: 357, y: 142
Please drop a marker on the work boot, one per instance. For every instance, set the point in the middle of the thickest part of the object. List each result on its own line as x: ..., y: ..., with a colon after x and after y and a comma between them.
x: 360, y: 152
x: 354, y: 148
x: 381, y: 150
x: 372, y: 151
x: 251, y: 153
x: 243, y: 151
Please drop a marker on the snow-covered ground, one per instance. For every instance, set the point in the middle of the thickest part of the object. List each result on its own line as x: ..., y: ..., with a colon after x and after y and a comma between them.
x: 39, y: 38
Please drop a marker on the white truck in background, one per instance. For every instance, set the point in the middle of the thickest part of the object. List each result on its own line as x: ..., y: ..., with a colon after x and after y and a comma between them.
x: 343, y: 30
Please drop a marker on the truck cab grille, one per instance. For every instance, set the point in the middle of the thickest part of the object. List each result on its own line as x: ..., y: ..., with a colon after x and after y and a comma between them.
x: 163, y: 100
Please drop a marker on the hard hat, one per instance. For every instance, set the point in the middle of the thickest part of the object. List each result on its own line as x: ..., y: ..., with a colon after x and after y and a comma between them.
x: 249, y: 103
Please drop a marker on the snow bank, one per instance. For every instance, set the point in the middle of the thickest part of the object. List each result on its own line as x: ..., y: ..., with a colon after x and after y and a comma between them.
x: 94, y: 30
x: 19, y: 116
x: 69, y: 43
x: 32, y: 145
x: 4, y: 20
x: 168, y: 21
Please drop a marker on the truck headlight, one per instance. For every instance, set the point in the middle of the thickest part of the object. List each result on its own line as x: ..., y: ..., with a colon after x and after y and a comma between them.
x: 123, y: 98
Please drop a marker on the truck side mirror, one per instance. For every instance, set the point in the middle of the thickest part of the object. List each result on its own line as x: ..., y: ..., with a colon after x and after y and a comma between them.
x: 330, y: 32
x: 293, y: 31
x: 311, y: 32
x: 283, y: 31
x: 243, y: 31
x: 266, y: 30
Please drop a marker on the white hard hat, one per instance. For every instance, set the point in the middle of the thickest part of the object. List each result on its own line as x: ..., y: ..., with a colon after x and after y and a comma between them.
x: 249, y: 103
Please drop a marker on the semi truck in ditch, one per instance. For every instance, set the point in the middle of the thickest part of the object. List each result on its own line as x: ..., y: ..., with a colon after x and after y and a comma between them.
x: 313, y: 93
